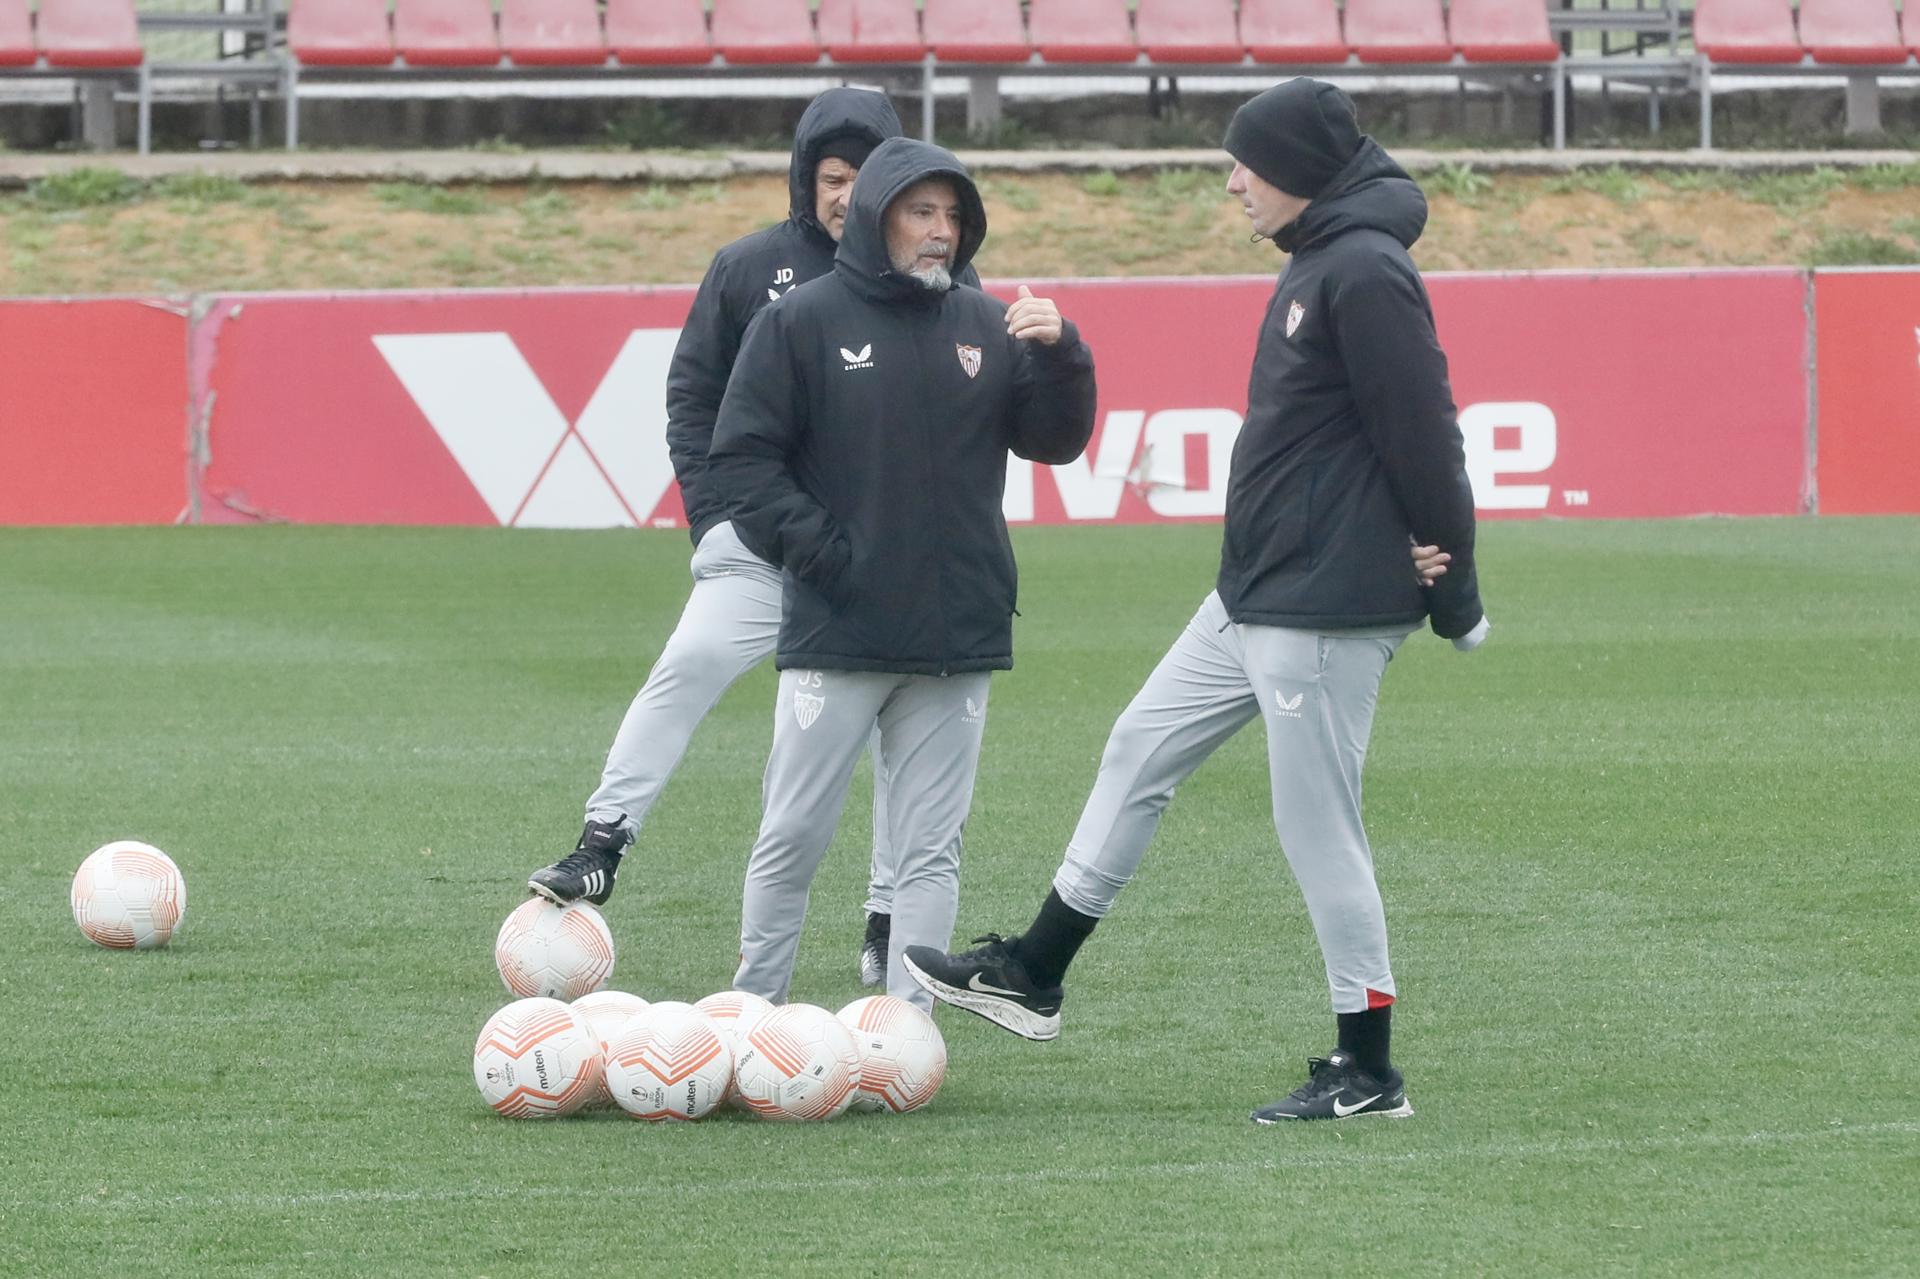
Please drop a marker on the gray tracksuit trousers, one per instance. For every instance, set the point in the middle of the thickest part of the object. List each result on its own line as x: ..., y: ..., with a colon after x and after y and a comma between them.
x: 729, y: 626
x: 1316, y: 695
x: 930, y: 730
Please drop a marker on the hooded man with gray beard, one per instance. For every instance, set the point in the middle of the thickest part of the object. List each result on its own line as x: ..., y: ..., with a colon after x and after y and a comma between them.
x: 862, y: 447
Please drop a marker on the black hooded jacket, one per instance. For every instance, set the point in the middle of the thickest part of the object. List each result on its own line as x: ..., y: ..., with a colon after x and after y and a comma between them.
x: 1351, y: 445
x: 863, y: 442
x: 746, y: 275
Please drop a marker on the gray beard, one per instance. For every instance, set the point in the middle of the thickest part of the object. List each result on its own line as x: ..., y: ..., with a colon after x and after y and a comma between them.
x: 935, y: 279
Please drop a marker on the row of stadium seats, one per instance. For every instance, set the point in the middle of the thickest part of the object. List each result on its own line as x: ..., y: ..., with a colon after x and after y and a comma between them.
x: 1843, y: 32
x: 666, y: 32
x: 69, y: 34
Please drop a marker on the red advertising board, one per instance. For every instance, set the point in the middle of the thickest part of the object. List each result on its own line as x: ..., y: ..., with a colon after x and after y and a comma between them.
x: 93, y: 412
x: 1655, y: 393
x: 1620, y: 394
x: 1868, y: 408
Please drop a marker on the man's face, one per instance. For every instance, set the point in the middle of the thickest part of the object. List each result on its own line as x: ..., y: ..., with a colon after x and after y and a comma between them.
x: 832, y: 188
x: 923, y: 231
x: 1267, y: 205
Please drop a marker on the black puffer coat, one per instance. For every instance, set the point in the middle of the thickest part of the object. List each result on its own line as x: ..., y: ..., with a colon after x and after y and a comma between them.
x: 1351, y: 446
x: 863, y: 443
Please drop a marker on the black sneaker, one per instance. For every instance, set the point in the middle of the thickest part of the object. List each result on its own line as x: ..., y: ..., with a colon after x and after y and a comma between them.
x: 873, y: 951
x: 588, y: 870
x: 988, y: 981
x: 1337, y: 1088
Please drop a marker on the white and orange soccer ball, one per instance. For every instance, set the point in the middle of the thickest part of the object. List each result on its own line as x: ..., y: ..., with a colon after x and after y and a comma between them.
x: 798, y: 1062
x: 128, y: 896
x: 733, y: 1011
x: 668, y: 1062
x: 903, y: 1059
x: 536, y: 1060
x: 555, y: 952
x: 604, y: 1012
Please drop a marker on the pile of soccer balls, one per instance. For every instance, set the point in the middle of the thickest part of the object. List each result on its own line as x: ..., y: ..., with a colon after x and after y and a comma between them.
x: 541, y: 1058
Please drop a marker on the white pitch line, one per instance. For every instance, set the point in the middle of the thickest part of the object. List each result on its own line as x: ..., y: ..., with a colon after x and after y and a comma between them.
x: 1311, y: 1159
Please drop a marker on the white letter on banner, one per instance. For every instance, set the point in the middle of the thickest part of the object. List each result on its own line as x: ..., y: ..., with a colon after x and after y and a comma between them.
x: 489, y: 408
x: 1486, y: 461
x: 1167, y: 433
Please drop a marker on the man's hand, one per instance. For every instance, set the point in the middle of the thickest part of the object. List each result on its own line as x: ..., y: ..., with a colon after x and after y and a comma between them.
x: 1033, y: 319
x: 1429, y: 562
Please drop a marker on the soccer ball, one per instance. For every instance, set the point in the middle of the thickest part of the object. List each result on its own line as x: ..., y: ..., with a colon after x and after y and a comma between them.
x: 668, y: 1062
x: 903, y: 1059
x: 733, y: 1011
x: 604, y: 1012
x: 555, y: 952
x: 128, y: 896
x: 536, y: 1060
x: 798, y: 1062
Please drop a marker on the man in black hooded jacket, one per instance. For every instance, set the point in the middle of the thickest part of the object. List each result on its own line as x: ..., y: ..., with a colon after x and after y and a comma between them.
x: 1349, y: 455
x: 862, y: 446
x: 731, y: 618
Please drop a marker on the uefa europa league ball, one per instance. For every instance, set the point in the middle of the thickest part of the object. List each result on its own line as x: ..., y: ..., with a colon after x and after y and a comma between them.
x: 668, y: 1062
x: 603, y: 1013
x: 536, y: 1060
x: 553, y: 952
x: 128, y: 896
x: 732, y: 1011
x: 903, y: 1059
x: 798, y: 1062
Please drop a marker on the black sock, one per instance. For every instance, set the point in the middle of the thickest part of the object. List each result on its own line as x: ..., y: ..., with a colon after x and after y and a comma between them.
x: 1369, y: 1037
x: 1046, y: 948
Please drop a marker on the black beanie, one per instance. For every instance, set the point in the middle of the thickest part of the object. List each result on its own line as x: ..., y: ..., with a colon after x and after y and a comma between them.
x: 854, y: 148
x: 1296, y: 135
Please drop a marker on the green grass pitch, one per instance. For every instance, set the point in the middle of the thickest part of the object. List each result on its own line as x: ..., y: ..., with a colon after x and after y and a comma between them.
x: 1649, y: 863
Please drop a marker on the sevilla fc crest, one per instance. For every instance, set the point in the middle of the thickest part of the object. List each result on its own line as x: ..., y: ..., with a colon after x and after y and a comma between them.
x: 969, y: 358
x: 1295, y: 314
x: 807, y: 708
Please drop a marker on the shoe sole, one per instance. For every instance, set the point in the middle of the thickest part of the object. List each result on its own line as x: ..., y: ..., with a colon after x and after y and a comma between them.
x: 1402, y: 1111
x: 541, y: 890
x: 1001, y: 1012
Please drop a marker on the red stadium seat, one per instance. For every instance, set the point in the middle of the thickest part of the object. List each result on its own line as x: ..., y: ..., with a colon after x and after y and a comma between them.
x: 871, y: 30
x: 975, y: 30
x: 1851, y: 31
x: 89, y: 33
x: 340, y: 33
x: 1502, y: 31
x: 1746, y: 31
x: 1292, y: 31
x: 1081, y: 30
x: 552, y: 33
x: 764, y: 31
x: 445, y: 33
x: 16, y: 34
x: 1189, y: 31
x: 658, y: 32
x: 1398, y: 31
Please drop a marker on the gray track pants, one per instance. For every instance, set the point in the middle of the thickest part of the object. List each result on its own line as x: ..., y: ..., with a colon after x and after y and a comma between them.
x: 1316, y: 694
x: 930, y: 731
x: 729, y: 627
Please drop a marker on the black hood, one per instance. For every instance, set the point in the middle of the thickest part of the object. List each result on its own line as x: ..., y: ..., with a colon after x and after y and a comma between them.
x: 836, y: 113
x: 1372, y: 192
x: 897, y: 165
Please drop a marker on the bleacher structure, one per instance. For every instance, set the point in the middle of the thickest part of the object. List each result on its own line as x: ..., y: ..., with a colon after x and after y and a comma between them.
x: 276, y: 46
